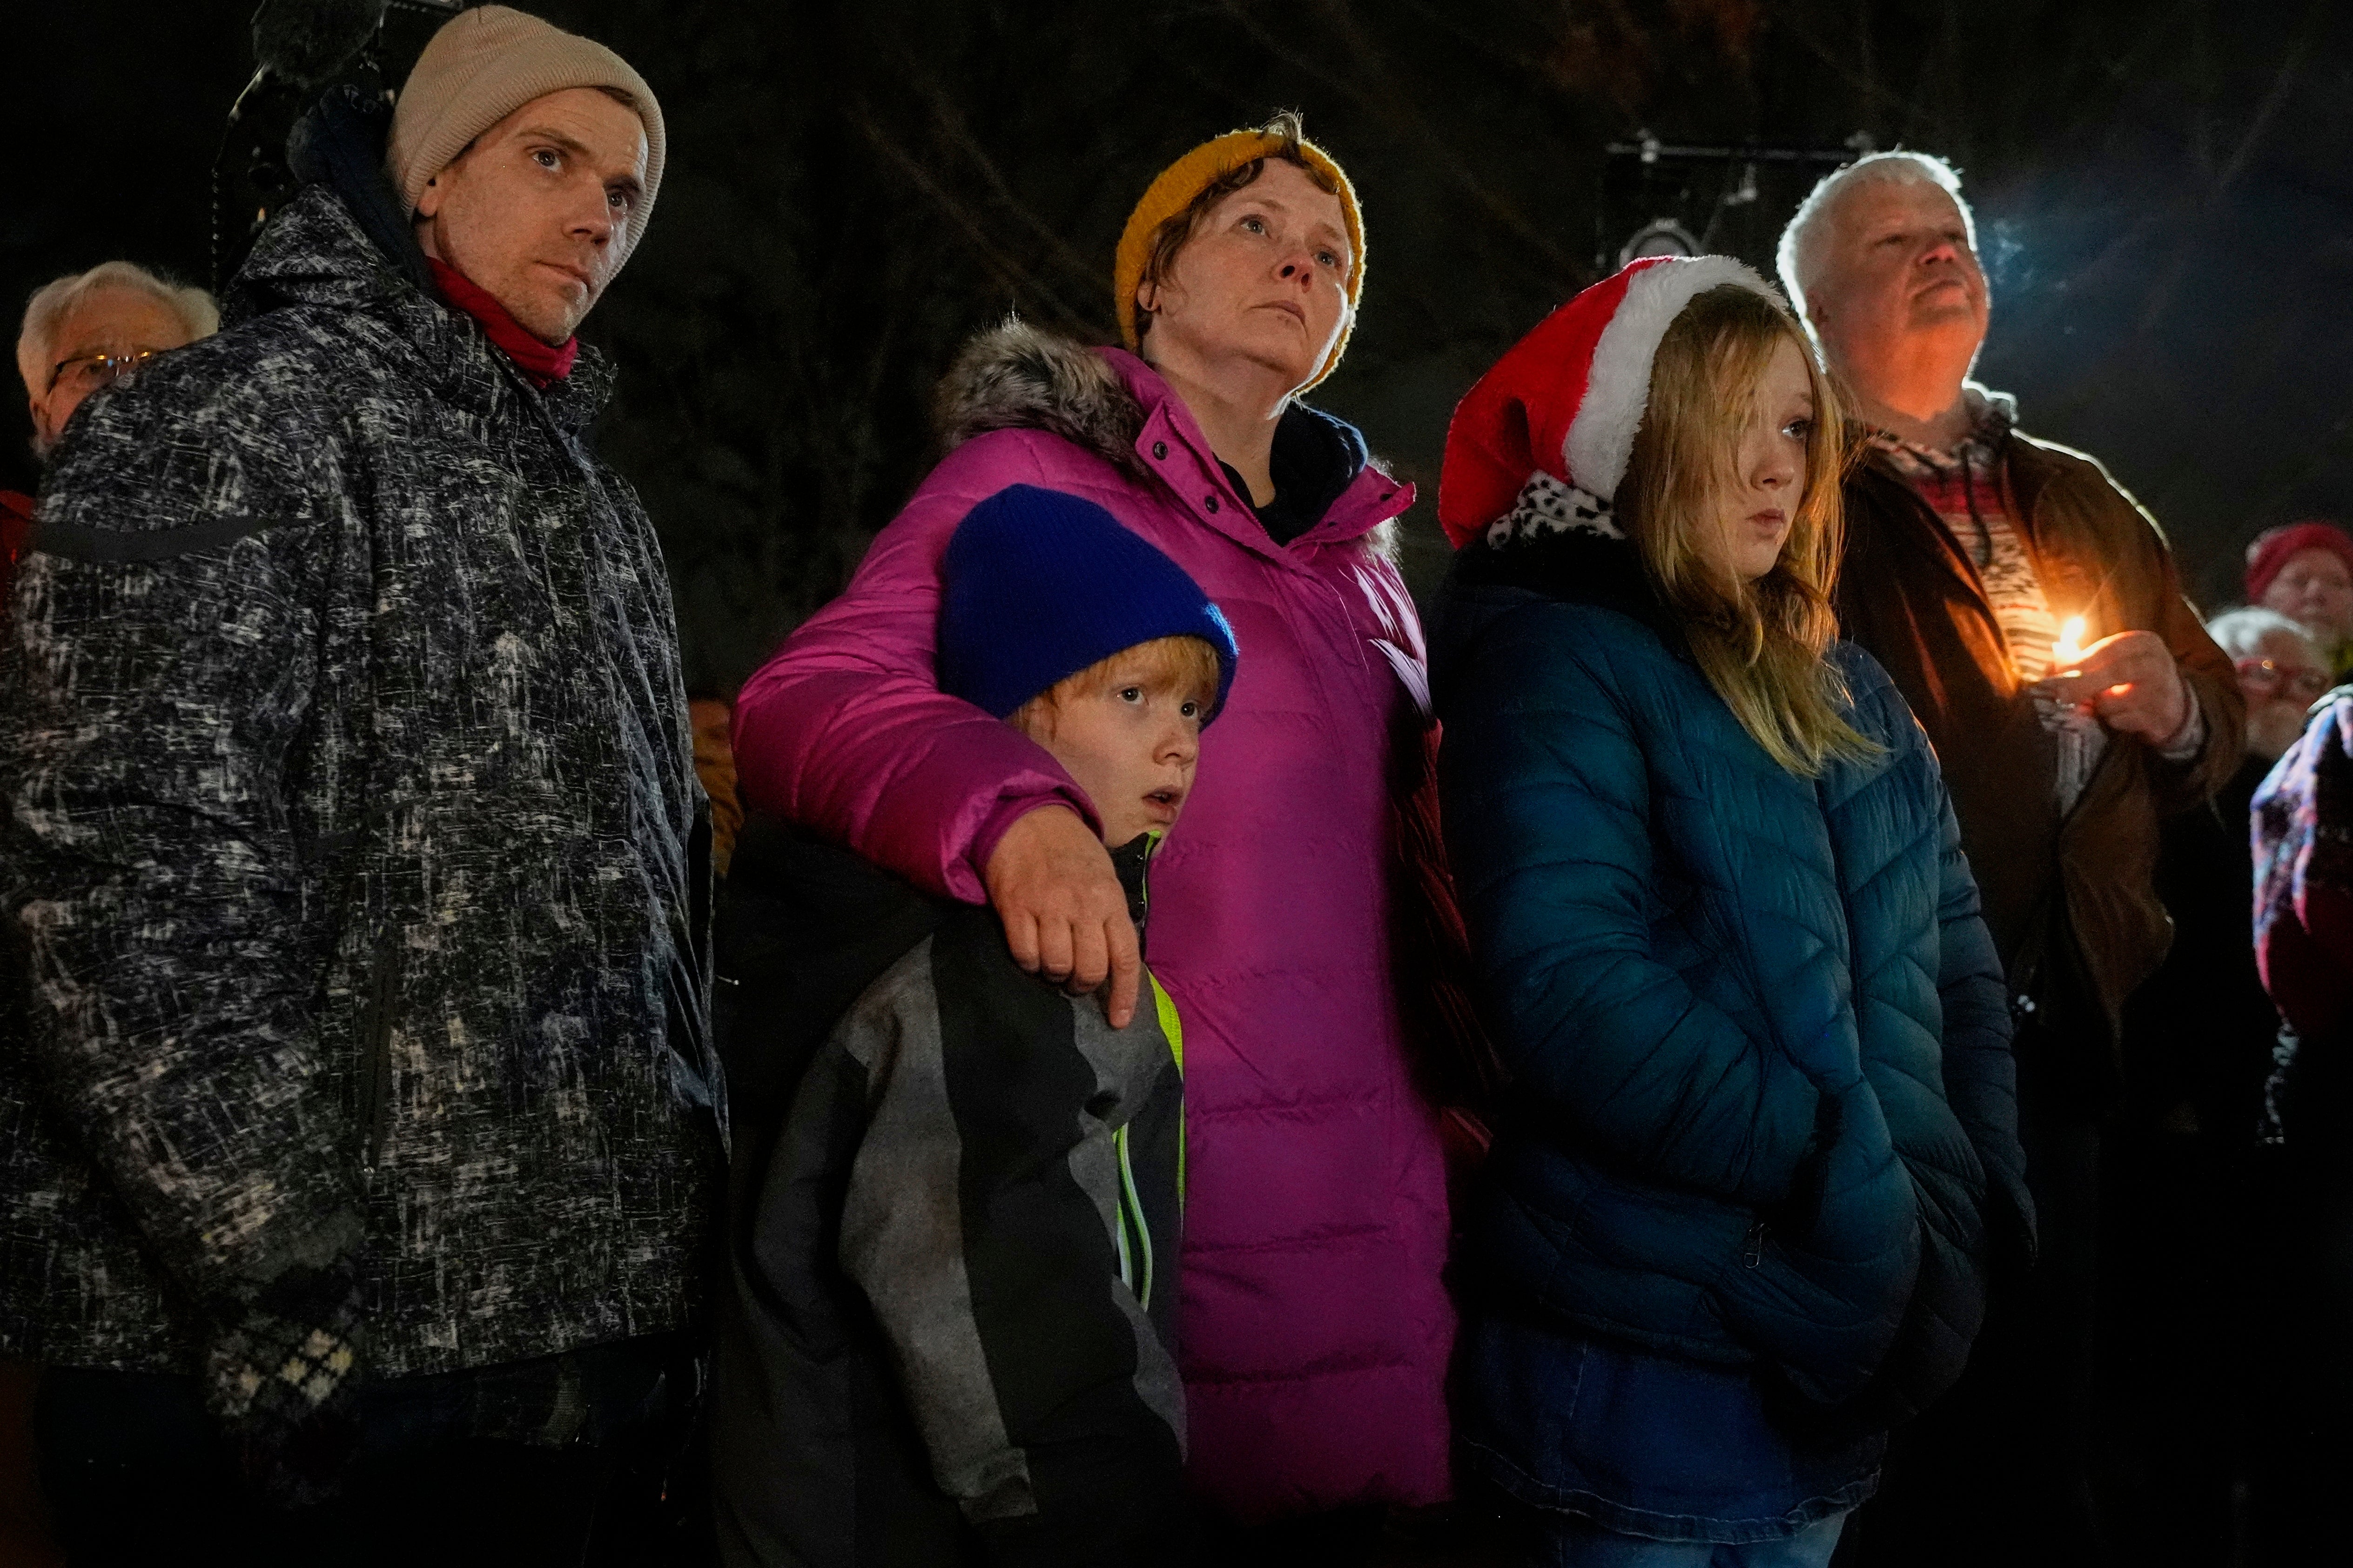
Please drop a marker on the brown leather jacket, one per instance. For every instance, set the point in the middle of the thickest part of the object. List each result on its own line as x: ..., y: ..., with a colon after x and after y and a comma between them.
x: 1910, y: 593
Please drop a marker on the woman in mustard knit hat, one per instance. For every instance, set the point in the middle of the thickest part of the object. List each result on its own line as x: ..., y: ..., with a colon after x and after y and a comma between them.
x: 1315, y: 1330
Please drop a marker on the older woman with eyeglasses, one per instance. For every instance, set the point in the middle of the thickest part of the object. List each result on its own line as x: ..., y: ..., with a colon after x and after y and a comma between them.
x: 2282, y: 670
x: 84, y: 331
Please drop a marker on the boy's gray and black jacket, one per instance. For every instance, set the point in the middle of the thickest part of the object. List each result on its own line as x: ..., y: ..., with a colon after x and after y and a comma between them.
x: 946, y: 1331
x: 348, y: 848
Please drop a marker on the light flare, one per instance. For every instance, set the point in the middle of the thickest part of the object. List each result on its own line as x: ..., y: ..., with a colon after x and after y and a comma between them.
x: 2070, y: 646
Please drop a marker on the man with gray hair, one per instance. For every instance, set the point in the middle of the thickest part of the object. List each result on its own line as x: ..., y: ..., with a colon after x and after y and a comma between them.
x: 2029, y: 611
x: 361, y: 1146
x: 84, y: 331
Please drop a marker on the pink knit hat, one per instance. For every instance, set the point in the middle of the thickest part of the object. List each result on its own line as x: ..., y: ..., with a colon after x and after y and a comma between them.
x: 483, y: 65
x: 2275, y: 547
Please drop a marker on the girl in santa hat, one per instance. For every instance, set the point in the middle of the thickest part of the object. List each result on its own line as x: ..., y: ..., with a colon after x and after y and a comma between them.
x: 1762, y: 1151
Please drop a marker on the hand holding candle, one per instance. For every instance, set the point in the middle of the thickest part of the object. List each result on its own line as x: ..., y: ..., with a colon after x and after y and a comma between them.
x: 2128, y: 681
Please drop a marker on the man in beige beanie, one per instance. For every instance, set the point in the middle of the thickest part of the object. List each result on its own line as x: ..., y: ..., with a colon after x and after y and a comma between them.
x: 529, y: 159
x: 364, y: 1143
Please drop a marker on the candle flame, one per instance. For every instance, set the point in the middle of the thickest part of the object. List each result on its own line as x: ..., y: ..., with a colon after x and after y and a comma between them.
x: 2070, y: 646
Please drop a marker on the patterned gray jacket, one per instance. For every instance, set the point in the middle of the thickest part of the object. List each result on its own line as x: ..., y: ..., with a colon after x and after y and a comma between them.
x: 347, y: 848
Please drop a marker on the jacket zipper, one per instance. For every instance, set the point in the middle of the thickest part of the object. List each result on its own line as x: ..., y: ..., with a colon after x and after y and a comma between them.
x: 1752, y: 1250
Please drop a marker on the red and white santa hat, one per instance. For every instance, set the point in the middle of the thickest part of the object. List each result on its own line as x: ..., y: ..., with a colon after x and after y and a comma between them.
x: 1545, y: 437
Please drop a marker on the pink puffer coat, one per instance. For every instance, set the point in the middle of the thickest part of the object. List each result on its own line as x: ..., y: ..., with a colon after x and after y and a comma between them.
x: 1315, y: 1330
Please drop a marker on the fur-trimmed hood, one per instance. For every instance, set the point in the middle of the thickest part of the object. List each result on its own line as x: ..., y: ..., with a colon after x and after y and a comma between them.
x: 1016, y: 377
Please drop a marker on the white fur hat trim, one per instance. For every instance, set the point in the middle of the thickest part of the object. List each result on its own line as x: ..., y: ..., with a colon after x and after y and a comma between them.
x: 1618, y: 388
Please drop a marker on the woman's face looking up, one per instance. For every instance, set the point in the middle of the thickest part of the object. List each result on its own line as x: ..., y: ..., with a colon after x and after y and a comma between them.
x: 1766, y: 483
x: 1263, y: 280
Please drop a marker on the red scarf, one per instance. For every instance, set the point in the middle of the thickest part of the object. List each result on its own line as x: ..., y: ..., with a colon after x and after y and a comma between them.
x: 534, y: 359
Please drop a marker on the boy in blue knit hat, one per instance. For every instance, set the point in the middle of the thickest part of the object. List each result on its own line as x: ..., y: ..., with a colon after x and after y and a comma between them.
x: 947, y: 1334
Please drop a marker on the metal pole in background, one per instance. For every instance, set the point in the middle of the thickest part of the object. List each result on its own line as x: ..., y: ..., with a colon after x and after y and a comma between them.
x: 300, y: 48
x: 1651, y: 192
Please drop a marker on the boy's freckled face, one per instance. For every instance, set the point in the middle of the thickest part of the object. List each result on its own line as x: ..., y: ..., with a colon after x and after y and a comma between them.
x: 1131, y: 743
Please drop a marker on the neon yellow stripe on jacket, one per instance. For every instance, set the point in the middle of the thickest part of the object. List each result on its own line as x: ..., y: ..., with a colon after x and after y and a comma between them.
x: 1173, y: 1027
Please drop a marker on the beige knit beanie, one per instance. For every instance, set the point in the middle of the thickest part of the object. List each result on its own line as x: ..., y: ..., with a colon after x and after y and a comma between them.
x: 483, y: 65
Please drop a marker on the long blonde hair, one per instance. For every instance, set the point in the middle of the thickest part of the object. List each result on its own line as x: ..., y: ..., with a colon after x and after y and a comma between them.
x: 1760, y: 644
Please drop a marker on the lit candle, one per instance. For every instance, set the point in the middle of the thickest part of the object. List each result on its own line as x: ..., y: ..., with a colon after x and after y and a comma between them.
x: 2070, y: 646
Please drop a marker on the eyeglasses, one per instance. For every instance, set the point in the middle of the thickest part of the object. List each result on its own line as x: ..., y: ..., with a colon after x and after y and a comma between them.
x: 2269, y: 677
x: 92, y: 372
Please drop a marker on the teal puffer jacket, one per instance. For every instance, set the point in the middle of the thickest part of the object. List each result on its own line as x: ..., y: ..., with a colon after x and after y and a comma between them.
x: 1765, y: 1110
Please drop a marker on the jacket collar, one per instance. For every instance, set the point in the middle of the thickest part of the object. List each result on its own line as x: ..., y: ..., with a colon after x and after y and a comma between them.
x: 339, y: 243
x: 1992, y: 416
x: 1172, y: 446
x: 1577, y: 565
x: 1890, y: 465
x: 542, y: 364
x: 1132, y: 862
x: 1110, y: 402
x: 2029, y: 465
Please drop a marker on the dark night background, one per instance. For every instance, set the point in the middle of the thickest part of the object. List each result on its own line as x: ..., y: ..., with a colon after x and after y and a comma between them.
x: 2163, y: 193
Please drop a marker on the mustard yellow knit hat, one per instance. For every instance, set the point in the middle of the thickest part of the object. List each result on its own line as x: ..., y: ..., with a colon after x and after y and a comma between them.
x: 1187, y: 178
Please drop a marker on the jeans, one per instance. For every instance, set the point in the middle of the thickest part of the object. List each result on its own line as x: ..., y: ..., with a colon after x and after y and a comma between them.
x: 445, y: 1473
x: 1565, y: 1541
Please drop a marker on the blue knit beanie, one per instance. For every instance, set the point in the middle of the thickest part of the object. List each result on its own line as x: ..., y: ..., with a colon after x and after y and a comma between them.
x: 1040, y: 586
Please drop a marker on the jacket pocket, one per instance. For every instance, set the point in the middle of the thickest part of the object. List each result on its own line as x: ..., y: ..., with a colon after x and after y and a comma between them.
x: 376, y: 1014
